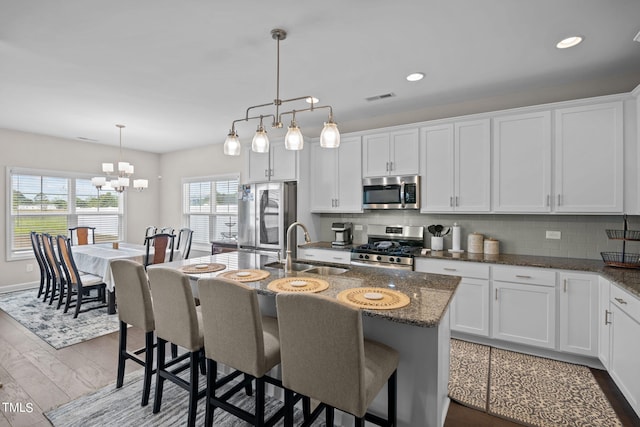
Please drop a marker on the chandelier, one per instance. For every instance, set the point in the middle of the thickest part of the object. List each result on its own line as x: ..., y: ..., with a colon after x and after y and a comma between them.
x: 121, y: 180
x: 329, y: 137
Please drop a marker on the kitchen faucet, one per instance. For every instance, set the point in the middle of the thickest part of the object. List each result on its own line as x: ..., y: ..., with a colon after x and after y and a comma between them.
x: 307, y: 239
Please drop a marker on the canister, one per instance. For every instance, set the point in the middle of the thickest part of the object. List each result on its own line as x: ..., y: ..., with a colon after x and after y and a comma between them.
x: 475, y: 243
x: 491, y: 246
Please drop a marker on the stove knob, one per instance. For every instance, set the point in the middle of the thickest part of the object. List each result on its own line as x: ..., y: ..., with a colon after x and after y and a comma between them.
x: 397, y: 259
x: 391, y: 259
x: 361, y: 256
x: 379, y: 258
x: 366, y: 257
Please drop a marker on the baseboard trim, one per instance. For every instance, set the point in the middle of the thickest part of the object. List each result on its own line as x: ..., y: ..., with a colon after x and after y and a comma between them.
x: 18, y: 287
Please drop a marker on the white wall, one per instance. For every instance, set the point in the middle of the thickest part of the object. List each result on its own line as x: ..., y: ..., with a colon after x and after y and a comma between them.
x: 27, y: 150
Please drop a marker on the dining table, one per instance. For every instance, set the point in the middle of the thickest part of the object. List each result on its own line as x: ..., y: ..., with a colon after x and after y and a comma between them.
x: 96, y: 259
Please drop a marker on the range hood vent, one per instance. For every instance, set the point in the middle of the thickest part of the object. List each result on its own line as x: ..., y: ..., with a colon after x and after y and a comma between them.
x: 379, y: 97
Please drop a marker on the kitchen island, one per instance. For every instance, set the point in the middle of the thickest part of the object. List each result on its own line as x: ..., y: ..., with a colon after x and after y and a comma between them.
x: 419, y: 331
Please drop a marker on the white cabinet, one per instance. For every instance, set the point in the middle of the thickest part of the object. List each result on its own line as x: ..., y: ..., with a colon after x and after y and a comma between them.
x: 325, y: 255
x: 279, y: 164
x: 391, y: 153
x: 579, y: 313
x: 588, y: 158
x: 456, y: 167
x: 524, y: 306
x: 469, y: 309
x: 625, y: 346
x: 522, y: 163
x: 336, y: 183
x: 604, y: 323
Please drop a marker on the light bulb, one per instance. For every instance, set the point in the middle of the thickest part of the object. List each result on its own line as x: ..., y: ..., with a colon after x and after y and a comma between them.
x: 232, y: 144
x: 260, y: 142
x: 330, y: 135
x: 294, y: 139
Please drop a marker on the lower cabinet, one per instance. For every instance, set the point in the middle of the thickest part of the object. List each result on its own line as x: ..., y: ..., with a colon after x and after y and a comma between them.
x: 579, y: 313
x: 604, y: 323
x: 325, y: 255
x: 524, y: 306
x: 625, y: 346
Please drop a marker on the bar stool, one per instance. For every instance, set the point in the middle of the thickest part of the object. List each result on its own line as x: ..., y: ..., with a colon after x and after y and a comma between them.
x: 237, y: 335
x: 324, y: 356
x: 177, y: 322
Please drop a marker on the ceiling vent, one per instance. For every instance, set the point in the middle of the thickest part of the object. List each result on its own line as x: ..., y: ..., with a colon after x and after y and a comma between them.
x: 637, y: 37
x: 379, y: 97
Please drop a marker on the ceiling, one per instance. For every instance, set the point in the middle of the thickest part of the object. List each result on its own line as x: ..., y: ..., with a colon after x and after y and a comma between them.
x: 177, y: 73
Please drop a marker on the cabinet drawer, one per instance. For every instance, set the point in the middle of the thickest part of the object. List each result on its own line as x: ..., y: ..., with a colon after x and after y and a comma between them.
x: 626, y: 302
x: 325, y: 255
x: 537, y: 276
x: 453, y: 268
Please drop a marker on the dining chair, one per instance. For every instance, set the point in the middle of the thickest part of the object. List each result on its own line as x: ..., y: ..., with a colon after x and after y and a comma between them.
x: 238, y: 336
x: 162, y: 243
x: 150, y: 231
x: 178, y: 322
x: 324, y: 356
x: 166, y: 230
x: 82, y: 235
x: 78, y: 284
x: 135, y: 308
x: 45, y: 276
x: 58, y: 280
x: 185, y: 235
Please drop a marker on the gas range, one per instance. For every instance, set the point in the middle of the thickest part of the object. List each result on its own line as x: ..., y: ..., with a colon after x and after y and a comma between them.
x: 389, y: 247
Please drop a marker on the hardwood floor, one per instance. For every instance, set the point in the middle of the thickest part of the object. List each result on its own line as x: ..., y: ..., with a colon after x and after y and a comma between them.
x: 36, y: 378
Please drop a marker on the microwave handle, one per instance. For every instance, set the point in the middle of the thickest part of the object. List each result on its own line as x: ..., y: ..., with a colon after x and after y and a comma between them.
x: 402, y: 193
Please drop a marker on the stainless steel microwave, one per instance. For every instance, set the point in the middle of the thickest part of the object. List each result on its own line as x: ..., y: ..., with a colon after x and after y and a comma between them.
x: 391, y: 192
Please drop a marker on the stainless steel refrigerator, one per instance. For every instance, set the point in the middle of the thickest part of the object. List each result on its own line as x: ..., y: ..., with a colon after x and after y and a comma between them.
x: 265, y: 211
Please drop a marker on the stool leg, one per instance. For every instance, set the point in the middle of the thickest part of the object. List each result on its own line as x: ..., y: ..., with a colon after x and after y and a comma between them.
x: 288, y: 408
x: 212, y: 373
x: 159, y: 378
x: 122, y: 348
x: 392, y: 399
x: 148, y: 367
x: 359, y: 422
x: 193, y: 392
x: 260, y: 402
x: 329, y: 416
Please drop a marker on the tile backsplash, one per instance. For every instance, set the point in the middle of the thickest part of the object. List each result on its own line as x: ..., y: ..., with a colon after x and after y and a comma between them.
x: 582, y: 236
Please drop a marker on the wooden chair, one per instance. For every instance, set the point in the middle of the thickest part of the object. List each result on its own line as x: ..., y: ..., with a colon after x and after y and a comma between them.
x: 77, y: 284
x: 150, y: 231
x: 185, y: 235
x: 324, y: 356
x: 166, y: 230
x: 58, y: 280
x: 237, y: 335
x: 177, y: 322
x: 45, y: 275
x: 82, y: 235
x: 162, y: 243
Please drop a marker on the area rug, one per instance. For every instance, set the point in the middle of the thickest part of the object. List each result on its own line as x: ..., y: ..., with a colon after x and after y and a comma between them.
x: 110, y: 406
x: 52, y: 325
x: 527, y: 389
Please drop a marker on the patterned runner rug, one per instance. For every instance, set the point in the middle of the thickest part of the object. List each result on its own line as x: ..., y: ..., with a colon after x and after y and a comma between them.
x: 527, y: 389
x: 52, y: 325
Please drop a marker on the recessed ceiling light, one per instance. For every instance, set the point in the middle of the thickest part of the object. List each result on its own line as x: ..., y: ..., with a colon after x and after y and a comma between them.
x: 569, y: 42
x: 414, y: 77
x: 312, y: 98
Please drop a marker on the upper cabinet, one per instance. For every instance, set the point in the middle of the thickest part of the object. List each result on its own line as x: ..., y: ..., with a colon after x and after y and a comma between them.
x: 336, y: 183
x: 522, y: 163
x: 391, y: 153
x: 279, y: 164
x: 588, y: 159
x: 456, y: 167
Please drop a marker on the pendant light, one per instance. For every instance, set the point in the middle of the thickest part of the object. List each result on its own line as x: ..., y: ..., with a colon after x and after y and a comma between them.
x: 294, y: 139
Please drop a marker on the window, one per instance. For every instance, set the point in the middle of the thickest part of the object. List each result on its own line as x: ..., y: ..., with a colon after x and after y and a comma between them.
x: 52, y: 202
x: 210, y: 209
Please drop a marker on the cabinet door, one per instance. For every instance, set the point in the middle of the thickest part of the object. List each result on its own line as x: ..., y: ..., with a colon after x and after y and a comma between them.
x: 437, y: 169
x: 325, y: 255
x: 324, y: 175
x: 375, y: 155
x: 349, y: 185
x: 522, y: 163
x: 625, y: 348
x: 579, y: 313
x: 472, y: 166
x: 284, y: 163
x: 470, y: 307
x: 604, y: 323
x: 404, y: 152
x: 524, y: 313
x: 258, y: 166
x: 589, y: 163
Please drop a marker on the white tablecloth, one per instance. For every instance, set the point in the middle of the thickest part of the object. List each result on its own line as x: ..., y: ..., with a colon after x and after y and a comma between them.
x: 95, y: 259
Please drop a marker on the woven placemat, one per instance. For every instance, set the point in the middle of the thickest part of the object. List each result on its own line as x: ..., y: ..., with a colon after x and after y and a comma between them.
x: 374, y: 298
x: 203, y: 268
x: 298, y: 284
x: 245, y: 275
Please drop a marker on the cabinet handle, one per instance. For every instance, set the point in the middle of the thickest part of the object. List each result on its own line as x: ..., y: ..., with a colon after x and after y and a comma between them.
x: 522, y: 276
x: 457, y: 204
x: 548, y: 200
x: 621, y: 301
x: 337, y: 257
x: 558, y: 199
x: 390, y: 166
x: 449, y: 269
x: 565, y: 286
x: 270, y: 172
x: 309, y: 255
x: 607, y: 313
x: 451, y: 201
x: 337, y: 203
x: 333, y: 203
x: 496, y: 294
x: 266, y: 173
x: 387, y: 166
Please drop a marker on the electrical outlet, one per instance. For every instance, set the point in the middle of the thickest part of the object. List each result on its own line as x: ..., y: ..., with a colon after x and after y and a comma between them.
x: 557, y: 235
x: 358, y: 227
x: 29, y: 268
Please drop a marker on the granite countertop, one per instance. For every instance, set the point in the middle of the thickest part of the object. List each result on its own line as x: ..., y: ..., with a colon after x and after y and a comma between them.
x: 628, y: 279
x: 430, y: 294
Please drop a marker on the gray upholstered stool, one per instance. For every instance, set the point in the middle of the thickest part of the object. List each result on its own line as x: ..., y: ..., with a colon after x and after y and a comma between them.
x: 237, y: 335
x: 324, y: 356
x: 177, y: 322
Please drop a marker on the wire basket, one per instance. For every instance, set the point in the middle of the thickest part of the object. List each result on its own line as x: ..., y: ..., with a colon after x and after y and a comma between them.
x: 623, y: 234
x: 621, y: 259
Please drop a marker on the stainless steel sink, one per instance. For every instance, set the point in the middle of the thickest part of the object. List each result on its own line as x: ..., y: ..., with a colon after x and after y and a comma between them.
x: 326, y: 270
x: 296, y: 266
